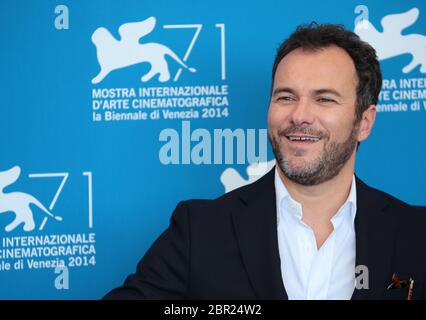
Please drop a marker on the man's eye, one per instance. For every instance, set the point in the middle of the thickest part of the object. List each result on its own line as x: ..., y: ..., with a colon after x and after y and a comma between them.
x: 325, y: 100
x: 285, y: 98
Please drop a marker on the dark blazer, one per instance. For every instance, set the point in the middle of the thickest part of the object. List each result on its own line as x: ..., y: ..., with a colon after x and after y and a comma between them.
x: 227, y: 248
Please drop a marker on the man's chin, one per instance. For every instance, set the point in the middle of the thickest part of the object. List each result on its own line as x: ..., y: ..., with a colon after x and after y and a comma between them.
x: 299, y: 171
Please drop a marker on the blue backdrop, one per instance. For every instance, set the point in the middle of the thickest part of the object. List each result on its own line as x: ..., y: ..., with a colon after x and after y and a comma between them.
x: 114, y: 111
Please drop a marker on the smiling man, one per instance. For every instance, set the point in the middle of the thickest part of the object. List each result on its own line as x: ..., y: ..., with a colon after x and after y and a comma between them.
x: 315, y: 123
x: 302, y: 230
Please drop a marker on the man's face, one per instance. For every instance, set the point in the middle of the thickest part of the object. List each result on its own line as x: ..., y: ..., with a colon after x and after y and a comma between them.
x: 311, y: 118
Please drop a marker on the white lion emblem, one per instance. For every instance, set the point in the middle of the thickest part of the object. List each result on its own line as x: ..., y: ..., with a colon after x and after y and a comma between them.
x: 18, y: 202
x: 115, y: 54
x: 391, y: 42
x: 231, y: 179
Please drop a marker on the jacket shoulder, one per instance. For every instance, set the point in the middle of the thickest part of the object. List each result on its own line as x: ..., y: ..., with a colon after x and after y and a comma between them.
x: 394, y: 206
x: 230, y: 199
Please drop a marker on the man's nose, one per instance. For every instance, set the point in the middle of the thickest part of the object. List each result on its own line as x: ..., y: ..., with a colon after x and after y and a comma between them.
x: 302, y: 113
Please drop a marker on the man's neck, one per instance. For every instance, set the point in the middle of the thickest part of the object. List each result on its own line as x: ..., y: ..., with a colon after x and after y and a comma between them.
x: 321, y: 202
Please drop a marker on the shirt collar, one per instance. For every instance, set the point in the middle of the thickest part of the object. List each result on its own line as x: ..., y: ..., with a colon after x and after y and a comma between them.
x: 285, y: 201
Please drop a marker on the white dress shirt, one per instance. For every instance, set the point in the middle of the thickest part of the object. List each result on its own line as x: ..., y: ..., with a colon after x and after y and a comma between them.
x: 308, y: 272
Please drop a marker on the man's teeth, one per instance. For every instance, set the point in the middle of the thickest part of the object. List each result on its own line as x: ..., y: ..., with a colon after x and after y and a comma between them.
x: 294, y: 138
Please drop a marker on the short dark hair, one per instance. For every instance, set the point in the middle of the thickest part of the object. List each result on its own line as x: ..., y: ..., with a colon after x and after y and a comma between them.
x: 316, y: 36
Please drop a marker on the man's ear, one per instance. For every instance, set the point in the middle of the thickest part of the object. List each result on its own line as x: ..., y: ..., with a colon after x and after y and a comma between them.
x: 367, y: 122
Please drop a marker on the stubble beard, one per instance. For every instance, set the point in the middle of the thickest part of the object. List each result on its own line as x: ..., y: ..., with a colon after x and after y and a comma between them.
x: 323, y: 168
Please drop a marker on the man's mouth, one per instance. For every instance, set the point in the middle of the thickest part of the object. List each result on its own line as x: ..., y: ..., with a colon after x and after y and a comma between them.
x: 300, y: 138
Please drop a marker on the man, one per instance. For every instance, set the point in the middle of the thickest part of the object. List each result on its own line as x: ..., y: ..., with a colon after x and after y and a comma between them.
x: 309, y: 228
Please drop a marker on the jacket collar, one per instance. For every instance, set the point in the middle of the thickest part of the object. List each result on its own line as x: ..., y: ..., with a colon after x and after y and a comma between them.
x: 255, y: 226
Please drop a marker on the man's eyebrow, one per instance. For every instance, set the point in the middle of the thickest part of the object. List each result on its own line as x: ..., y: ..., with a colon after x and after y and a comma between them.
x: 317, y: 91
x: 283, y: 89
x: 328, y: 90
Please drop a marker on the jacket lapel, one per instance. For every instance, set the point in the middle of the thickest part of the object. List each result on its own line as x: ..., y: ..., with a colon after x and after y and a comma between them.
x: 374, y: 232
x: 255, y: 224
